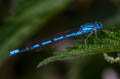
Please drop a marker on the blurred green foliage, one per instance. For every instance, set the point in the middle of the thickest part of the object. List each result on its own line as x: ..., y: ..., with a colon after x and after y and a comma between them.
x: 26, y: 21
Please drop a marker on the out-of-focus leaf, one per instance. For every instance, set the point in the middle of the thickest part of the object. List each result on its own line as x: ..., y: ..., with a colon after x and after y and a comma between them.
x: 29, y: 17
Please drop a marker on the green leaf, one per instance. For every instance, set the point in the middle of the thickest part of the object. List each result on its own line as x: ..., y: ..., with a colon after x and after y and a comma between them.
x: 110, y: 42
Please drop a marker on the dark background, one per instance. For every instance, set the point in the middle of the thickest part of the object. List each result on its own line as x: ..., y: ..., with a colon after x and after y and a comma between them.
x: 23, y: 66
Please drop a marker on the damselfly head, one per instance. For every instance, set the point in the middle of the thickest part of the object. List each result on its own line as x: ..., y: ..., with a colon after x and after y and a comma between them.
x: 98, y: 25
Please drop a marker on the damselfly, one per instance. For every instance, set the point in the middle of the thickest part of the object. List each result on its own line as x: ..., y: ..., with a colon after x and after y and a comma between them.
x: 84, y: 29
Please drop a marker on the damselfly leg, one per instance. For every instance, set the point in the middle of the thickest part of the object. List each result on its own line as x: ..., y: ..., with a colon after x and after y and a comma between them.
x: 86, y: 41
x: 96, y: 36
x: 91, y: 33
